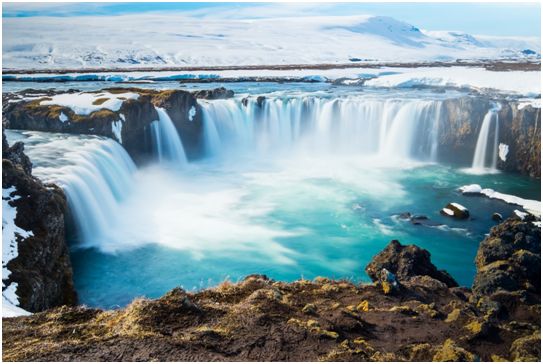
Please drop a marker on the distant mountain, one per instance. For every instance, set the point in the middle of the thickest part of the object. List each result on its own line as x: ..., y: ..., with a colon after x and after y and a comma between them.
x: 173, y: 39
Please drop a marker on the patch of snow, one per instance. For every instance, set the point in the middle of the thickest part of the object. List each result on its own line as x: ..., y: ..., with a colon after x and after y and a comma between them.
x: 448, y: 211
x: 520, y: 82
x: 470, y: 189
x: 520, y: 214
x: 122, y: 117
x: 117, y: 128
x: 62, y: 117
x: 535, y: 103
x: 192, y: 113
x: 537, y: 223
x: 503, y: 150
x: 458, y: 206
x: 10, y: 233
x: 83, y: 103
x: 532, y: 206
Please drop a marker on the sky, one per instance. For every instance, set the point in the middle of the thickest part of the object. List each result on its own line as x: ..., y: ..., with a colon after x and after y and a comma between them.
x: 509, y: 19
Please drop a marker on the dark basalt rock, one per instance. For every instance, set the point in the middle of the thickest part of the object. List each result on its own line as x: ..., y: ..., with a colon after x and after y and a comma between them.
x: 509, y: 259
x: 497, y: 216
x: 42, y: 269
x: 215, y: 94
x: 519, y: 129
x: 405, y: 262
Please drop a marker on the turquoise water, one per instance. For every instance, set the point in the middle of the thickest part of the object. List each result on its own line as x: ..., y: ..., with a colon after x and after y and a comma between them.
x: 288, y: 223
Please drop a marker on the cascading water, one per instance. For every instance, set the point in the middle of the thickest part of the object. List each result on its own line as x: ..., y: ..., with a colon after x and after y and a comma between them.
x: 482, y: 160
x: 308, y: 124
x: 166, y: 140
x: 95, y: 173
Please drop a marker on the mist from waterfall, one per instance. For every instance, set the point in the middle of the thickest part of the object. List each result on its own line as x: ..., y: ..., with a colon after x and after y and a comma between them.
x: 309, y: 125
x: 485, y: 157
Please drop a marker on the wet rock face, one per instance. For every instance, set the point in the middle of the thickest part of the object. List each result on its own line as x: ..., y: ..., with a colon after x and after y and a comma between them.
x: 405, y: 262
x: 509, y: 260
x: 186, y: 115
x: 42, y: 269
x: 520, y: 130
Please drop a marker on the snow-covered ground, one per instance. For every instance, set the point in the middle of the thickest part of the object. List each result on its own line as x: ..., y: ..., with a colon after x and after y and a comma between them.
x: 527, y: 83
x: 84, y: 103
x: 10, y: 231
x: 175, y: 39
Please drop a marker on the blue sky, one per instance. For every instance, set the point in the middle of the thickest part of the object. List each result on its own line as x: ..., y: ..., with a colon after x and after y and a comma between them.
x: 520, y: 19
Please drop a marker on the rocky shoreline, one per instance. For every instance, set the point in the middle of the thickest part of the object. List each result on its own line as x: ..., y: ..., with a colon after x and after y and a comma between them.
x: 412, y: 312
x: 41, y: 271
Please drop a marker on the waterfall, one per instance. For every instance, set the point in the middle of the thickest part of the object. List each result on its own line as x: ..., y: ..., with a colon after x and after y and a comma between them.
x: 95, y: 173
x: 310, y: 124
x: 481, y: 160
x: 166, y: 140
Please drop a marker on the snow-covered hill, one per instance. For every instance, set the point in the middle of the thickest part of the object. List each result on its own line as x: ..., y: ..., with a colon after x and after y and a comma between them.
x: 179, y: 40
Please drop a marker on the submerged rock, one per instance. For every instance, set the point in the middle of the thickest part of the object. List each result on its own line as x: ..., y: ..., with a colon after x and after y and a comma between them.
x: 406, y: 261
x: 497, y: 216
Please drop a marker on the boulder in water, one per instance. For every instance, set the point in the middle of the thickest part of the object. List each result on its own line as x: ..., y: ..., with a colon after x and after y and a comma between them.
x: 455, y: 210
x: 497, y: 216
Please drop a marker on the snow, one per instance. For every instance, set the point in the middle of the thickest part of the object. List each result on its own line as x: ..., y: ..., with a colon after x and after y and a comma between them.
x: 458, y: 206
x: 535, y: 103
x: 117, y: 128
x: 520, y: 214
x: 82, y: 103
x: 525, y: 83
x: 167, y: 39
x: 10, y: 232
x: 63, y: 117
x: 448, y: 211
x: 521, y: 82
x: 503, y: 150
x: 192, y: 113
x: 532, y: 206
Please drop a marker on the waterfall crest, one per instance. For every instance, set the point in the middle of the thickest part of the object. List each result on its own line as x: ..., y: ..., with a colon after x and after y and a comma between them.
x: 482, y: 159
x: 310, y: 124
x: 166, y: 141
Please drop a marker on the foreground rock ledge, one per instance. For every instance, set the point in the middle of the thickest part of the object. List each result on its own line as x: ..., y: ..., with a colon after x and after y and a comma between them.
x: 423, y: 318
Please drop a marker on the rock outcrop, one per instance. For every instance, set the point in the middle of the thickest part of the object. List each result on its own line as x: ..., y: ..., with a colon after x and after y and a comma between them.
x: 42, y: 268
x: 509, y: 261
x: 214, y: 94
x: 405, y: 262
x: 321, y: 320
x: 133, y: 117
